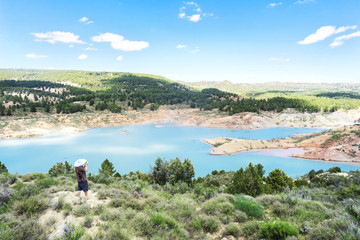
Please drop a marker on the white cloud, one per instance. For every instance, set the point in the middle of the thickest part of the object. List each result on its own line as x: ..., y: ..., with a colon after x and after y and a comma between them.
x: 90, y: 49
x: 303, y: 1
x: 118, y: 42
x: 35, y: 56
x: 340, y: 40
x: 85, y: 20
x: 181, y: 46
x: 192, y: 3
x: 82, y: 56
x: 193, y: 8
x: 195, y: 50
x: 279, y: 59
x: 119, y: 58
x: 324, y: 32
x: 71, y: 45
x: 274, y: 4
x: 345, y: 28
x: 195, y: 18
x: 57, y: 36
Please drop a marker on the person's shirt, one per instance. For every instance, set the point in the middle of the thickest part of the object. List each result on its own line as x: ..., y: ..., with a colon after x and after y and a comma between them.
x: 80, y: 174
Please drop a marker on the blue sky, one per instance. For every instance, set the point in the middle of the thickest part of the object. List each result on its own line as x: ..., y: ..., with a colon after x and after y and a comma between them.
x: 207, y: 40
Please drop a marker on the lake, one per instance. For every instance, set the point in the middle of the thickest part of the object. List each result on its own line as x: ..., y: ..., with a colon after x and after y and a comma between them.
x: 136, y: 147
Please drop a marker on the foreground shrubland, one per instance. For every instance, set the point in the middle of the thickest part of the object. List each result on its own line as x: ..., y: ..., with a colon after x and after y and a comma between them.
x: 169, y: 204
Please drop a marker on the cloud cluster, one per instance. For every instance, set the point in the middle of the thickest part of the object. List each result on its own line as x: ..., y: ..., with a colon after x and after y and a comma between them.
x: 57, y: 36
x: 274, y: 4
x: 340, y: 40
x: 118, y: 42
x: 35, y: 56
x: 194, y: 12
x: 327, y: 31
x: 303, y: 1
x: 85, y: 20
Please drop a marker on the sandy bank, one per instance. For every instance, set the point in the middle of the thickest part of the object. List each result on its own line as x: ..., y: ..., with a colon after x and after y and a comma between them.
x: 340, y: 145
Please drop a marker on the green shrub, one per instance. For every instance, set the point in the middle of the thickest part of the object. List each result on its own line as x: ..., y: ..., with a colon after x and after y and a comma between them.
x: 222, y: 203
x: 46, y: 183
x: 67, y: 209
x: 239, y: 216
x: 81, y: 210
x: 117, y: 232
x: 182, y: 207
x: 30, y: 206
x: 88, y: 221
x: 248, y: 206
x: 142, y: 225
x: 277, y: 230
x: 28, y: 230
x: 249, y: 228
x: 72, y: 232
x: 322, y: 233
x: 160, y: 220
x: 334, y: 170
x: 98, y: 209
x: 232, y: 229
x: 210, y: 224
x: 117, y: 202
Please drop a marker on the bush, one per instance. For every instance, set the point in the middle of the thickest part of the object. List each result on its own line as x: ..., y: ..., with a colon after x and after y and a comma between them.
x: 30, y: 206
x: 248, y: 206
x: 81, y: 210
x: 334, y: 170
x: 249, y: 228
x: 46, y: 183
x: 72, y: 232
x: 322, y: 233
x: 232, y: 229
x: 210, y: 224
x: 239, y: 216
x: 219, y: 204
x: 159, y: 220
x: 28, y: 230
x: 278, y: 180
x: 277, y: 230
x: 88, y: 221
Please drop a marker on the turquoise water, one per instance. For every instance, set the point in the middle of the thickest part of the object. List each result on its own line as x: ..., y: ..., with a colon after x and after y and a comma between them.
x: 138, y: 148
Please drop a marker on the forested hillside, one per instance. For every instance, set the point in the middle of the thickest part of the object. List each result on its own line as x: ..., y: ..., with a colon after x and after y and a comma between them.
x: 29, y: 91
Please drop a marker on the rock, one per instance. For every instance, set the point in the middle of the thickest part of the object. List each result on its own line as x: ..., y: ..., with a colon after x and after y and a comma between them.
x: 4, y: 195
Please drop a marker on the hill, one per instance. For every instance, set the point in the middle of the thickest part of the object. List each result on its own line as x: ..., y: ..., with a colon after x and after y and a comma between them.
x: 318, y: 205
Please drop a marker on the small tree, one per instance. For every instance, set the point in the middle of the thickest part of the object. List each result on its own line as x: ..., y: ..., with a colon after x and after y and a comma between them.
x: 248, y: 182
x: 160, y: 172
x: 278, y: 180
x: 61, y: 169
x: 3, y: 168
x: 107, y: 168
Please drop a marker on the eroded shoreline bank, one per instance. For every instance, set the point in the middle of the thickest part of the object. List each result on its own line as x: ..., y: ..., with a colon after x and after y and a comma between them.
x: 41, y: 124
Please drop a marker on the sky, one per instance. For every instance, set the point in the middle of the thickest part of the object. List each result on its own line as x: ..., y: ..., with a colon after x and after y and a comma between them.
x: 206, y: 40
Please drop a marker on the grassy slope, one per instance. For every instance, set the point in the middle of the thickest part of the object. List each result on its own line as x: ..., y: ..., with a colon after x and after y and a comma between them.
x: 127, y: 208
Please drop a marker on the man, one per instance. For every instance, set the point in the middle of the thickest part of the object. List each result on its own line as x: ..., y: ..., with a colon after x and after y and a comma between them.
x: 81, y: 178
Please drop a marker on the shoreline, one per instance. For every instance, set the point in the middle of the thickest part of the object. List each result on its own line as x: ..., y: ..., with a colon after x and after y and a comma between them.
x: 42, y: 124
